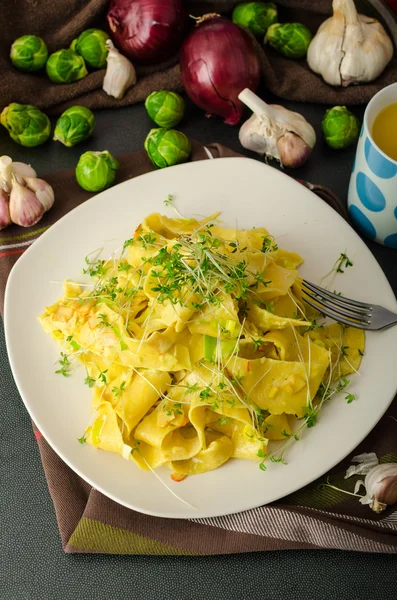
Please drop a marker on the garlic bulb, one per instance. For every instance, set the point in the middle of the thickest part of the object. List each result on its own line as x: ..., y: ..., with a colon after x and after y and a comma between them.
x: 120, y: 73
x: 8, y: 168
x: 276, y: 132
x: 381, y: 487
x: 25, y: 208
x: 348, y: 47
x: 42, y: 189
x: 5, y: 217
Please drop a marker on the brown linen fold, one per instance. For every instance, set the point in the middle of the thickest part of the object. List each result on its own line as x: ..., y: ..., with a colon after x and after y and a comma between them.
x: 310, y: 518
x: 60, y: 22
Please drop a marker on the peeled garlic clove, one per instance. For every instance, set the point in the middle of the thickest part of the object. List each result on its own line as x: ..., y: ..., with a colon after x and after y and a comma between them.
x: 42, y: 189
x: 381, y: 487
x: 120, y: 73
x: 293, y: 151
x: 276, y: 132
x: 349, y: 47
x: 5, y: 218
x: 21, y: 170
x: 25, y: 208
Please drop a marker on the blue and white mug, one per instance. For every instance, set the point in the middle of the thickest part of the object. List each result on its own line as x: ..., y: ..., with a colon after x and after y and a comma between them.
x: 372, y: 198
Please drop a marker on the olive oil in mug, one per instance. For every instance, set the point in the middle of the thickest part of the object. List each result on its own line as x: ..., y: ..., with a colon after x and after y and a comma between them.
x: 384, y: 130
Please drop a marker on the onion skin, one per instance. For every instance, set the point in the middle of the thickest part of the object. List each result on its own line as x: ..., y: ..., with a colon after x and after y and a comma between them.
x: 147, y: 31
x: 218, y: 60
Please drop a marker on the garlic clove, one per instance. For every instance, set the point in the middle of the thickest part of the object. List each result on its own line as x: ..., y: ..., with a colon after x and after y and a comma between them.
x: 120, y: 73
x: 293, y: 151
x: 25, y: 208
x: 381, y: 487
x: 5, y: 218
x: 348, y: 47
x: 21, y: 170
x: 42, y: 189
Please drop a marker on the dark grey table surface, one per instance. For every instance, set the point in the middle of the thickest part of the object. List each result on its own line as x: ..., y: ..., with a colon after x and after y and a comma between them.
x: 32, y: 563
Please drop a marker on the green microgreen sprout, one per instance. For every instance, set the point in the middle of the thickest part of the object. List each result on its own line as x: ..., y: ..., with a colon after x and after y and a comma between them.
x: 65, y: 365
x: 118, y: 391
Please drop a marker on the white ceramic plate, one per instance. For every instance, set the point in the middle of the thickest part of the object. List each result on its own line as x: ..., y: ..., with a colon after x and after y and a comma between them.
x: 249, y: 194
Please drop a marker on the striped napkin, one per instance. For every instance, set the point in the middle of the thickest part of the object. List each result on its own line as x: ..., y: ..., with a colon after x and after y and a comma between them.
x: 313, y: 517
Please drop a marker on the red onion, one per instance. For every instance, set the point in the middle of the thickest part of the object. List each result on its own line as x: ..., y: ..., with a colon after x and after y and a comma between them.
x: 218, y: 60
x: 147, y: 30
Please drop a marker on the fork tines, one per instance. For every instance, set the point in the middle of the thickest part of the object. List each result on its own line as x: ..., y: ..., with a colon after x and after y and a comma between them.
x: 344, y: 310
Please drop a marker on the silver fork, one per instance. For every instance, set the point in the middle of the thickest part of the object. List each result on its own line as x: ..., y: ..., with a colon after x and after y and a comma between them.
x: 347, y: 311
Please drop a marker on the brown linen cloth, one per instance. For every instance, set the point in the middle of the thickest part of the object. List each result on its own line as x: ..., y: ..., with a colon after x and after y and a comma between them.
x: 59, y: 22
x: 310, y: 518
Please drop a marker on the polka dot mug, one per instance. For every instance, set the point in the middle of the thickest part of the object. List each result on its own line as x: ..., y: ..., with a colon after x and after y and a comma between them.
x: 372, y: 198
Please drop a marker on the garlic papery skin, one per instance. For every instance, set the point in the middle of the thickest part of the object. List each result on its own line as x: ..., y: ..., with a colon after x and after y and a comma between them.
x: 120, y: 73
x: 5, y: 217
x: 42, y: 189
x: 349, y: 47
x: 276, y: 132
x: 381, y: 487
x: 365, y: 463
x: 25, y: 208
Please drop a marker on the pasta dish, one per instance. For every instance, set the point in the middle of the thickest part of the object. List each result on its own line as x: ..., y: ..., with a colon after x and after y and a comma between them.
x: 198, y: 347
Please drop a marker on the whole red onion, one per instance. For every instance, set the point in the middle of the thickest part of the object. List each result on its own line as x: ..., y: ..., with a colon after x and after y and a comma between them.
x: 147, y: 30
x: 218, y: 60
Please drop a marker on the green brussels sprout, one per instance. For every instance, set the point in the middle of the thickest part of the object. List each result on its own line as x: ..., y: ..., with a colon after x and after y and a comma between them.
x: 341, y: 127
x: 91, y: 45
x: 96, y: 171
x: 290, y: 39
x: 26, y: 124
x: 29, y: 53
x: 65, y: 66
x: 167, y: 147
x: 165, y: 108
x: 75, y: 125
x: 255, y: 16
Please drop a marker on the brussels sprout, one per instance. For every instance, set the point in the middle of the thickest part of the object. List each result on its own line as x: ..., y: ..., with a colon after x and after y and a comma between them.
x: 167, y: 147
x: 256, y: 16
x: 75, y: 125
x: 340, y: 127
x: 26, y: 124
x: 96, y: 171
x: 29, y: 53
x: 165, y: 108
x: 65, y: 66
x: 91, y: 45
x: 290, y: 39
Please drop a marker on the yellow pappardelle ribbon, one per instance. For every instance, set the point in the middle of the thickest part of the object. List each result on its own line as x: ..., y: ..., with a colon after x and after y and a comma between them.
x: 198, y: 346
